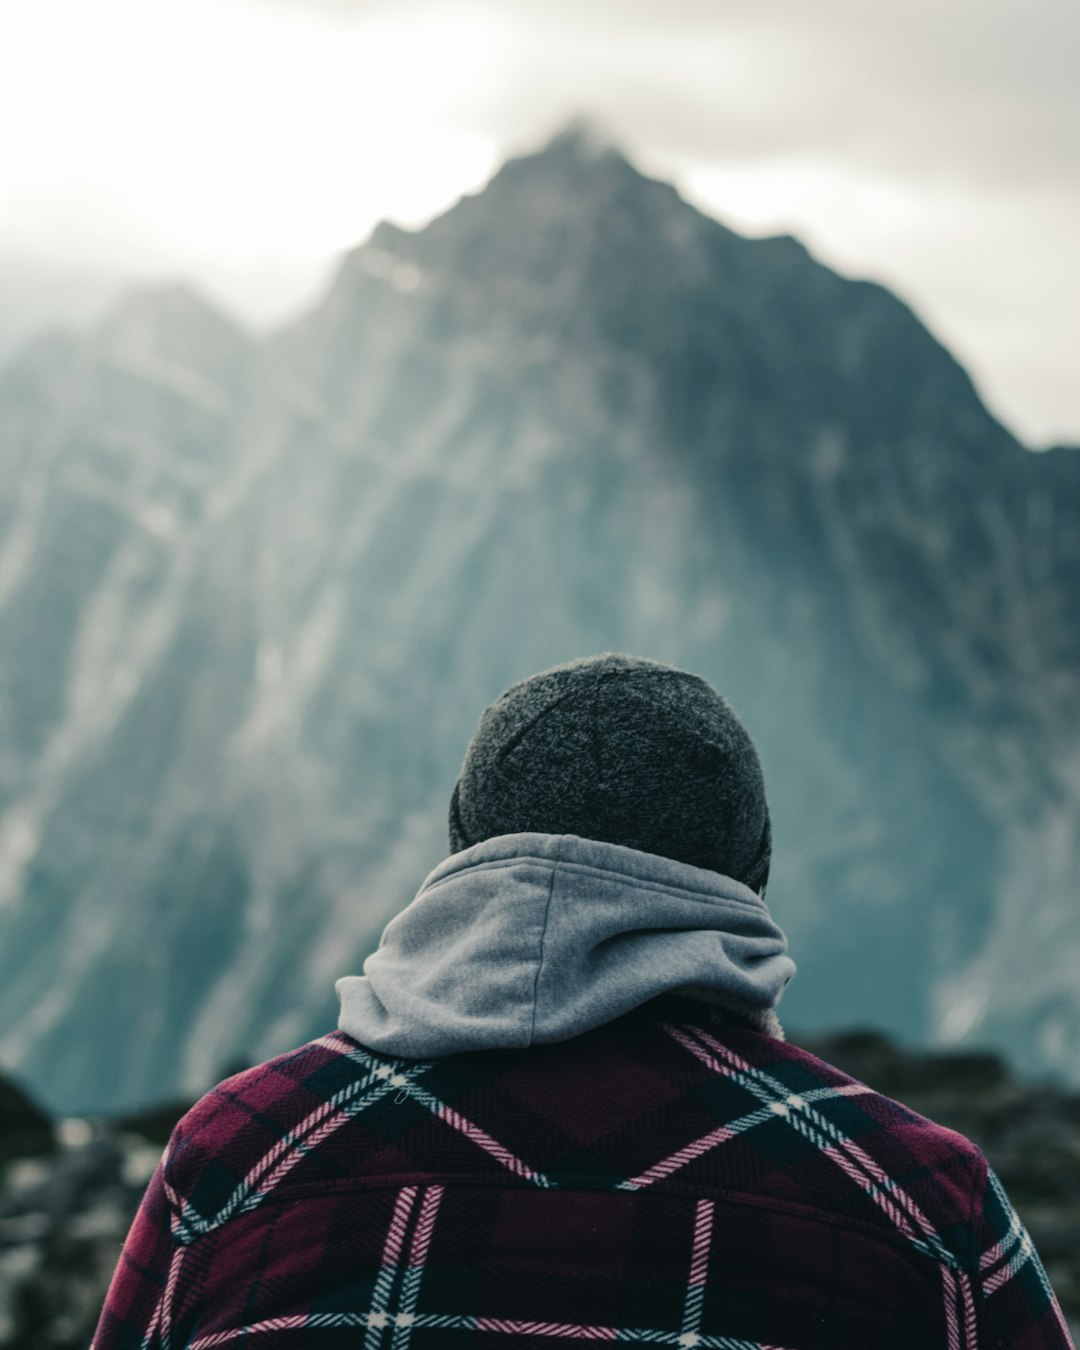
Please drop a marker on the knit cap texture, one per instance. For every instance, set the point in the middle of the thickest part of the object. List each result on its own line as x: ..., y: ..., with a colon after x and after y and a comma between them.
x: 624, y: 750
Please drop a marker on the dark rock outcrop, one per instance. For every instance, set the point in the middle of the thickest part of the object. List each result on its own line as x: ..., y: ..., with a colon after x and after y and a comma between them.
x: 68, y: 1194
x: 25, y: 1129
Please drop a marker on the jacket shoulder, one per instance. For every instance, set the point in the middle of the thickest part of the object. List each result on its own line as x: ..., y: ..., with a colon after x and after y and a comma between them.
x: 250, y: 1131
x: 853, y: 1150
x: 890, y: 1114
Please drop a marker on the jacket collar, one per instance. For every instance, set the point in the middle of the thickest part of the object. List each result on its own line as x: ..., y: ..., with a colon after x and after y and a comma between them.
x: 527, y: 939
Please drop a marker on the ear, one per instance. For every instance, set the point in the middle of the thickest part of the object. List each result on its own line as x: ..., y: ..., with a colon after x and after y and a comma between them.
x: 458, y: 841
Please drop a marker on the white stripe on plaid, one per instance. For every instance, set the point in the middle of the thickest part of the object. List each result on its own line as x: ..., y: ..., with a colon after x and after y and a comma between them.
x: 1003, y: 1246
x: 690, y: 1151
x: 404, y: 1081
x: 722, y: 1134
x: 414, y: 1271
x: 797, y: 1111
x: 499, y: 1325
x: 952, y: 1329
x: 699, y: 1269
x: 377, y: 1082
x: 959, y: 1309
x: 491, y: 1146
x: 1019, y: 1242
x: 151, y: 1330
x: 159, y: 1319
x: 971, y: 1330
x: 1015, y: 1248
x: 1010, y: 1269
x: 170, y: 1293
x: 392, y: 1248
x: 379, y: 1318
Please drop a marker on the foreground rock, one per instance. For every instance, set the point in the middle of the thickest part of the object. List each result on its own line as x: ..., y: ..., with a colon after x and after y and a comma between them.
x: 68, y: 1194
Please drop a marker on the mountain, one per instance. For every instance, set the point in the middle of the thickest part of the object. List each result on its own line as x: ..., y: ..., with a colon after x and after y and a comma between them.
x: 38, y: 293
x: 254, y: 595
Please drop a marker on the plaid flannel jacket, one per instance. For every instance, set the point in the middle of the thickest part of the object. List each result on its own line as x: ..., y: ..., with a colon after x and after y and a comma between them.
x: 669, y: 1179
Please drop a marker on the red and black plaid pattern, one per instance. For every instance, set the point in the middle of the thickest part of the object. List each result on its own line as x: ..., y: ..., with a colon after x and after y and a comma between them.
x: 669, y: 1179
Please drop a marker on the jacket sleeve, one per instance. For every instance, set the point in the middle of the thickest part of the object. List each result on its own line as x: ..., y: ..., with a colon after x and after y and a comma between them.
x: 136, y: 1301
x: 1018, y: 1303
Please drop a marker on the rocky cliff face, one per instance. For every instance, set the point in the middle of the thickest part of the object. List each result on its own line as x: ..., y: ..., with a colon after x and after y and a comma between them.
x: 254, y: 595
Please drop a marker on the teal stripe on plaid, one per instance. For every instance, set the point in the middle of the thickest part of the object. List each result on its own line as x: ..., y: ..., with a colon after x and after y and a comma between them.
x: 379, y: 1318
x: 1022, y: 1252
x: 1018, y: 1242
x: 310, y: 1142
x: 334, y: 1112
x: 699, y: 1269
x: 414, y: 1271
x: 685, y: 1155
x: 796, y: 1111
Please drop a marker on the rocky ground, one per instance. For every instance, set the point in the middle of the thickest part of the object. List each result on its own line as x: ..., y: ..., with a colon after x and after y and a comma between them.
x: 69, y: 1189
x: 68, y: 1192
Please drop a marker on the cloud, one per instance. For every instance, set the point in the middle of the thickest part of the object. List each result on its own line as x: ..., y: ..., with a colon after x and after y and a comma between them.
x: 983, y: 93
x: 984, y: 90
x: 935, y: 146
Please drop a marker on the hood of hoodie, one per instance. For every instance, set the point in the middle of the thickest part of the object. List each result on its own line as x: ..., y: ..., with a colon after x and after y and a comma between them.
x: 526, y: 939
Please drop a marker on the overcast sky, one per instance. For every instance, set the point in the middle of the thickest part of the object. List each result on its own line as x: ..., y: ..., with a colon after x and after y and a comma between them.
x: 930, y: 144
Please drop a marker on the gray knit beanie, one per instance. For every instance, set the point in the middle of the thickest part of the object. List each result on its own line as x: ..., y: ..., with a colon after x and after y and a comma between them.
x: 624, y: 750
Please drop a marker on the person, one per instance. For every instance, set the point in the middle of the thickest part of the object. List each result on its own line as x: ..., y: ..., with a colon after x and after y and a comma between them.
x: 559, y: 1105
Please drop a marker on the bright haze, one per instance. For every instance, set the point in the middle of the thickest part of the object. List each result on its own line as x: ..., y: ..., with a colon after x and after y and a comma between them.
x: 243, y: 143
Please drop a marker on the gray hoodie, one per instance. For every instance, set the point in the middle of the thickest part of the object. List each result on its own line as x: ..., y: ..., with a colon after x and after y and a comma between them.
x: 525, y: 939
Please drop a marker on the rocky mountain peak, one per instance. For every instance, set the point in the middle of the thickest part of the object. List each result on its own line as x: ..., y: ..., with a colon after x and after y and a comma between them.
x: 585, y: 139
x: 578, y: 189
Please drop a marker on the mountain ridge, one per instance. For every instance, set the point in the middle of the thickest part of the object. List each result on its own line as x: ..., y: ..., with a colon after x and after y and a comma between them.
x: 547, y: 424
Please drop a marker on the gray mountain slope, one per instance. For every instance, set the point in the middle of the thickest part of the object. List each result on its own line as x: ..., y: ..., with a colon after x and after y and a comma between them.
x: 254, y: 597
